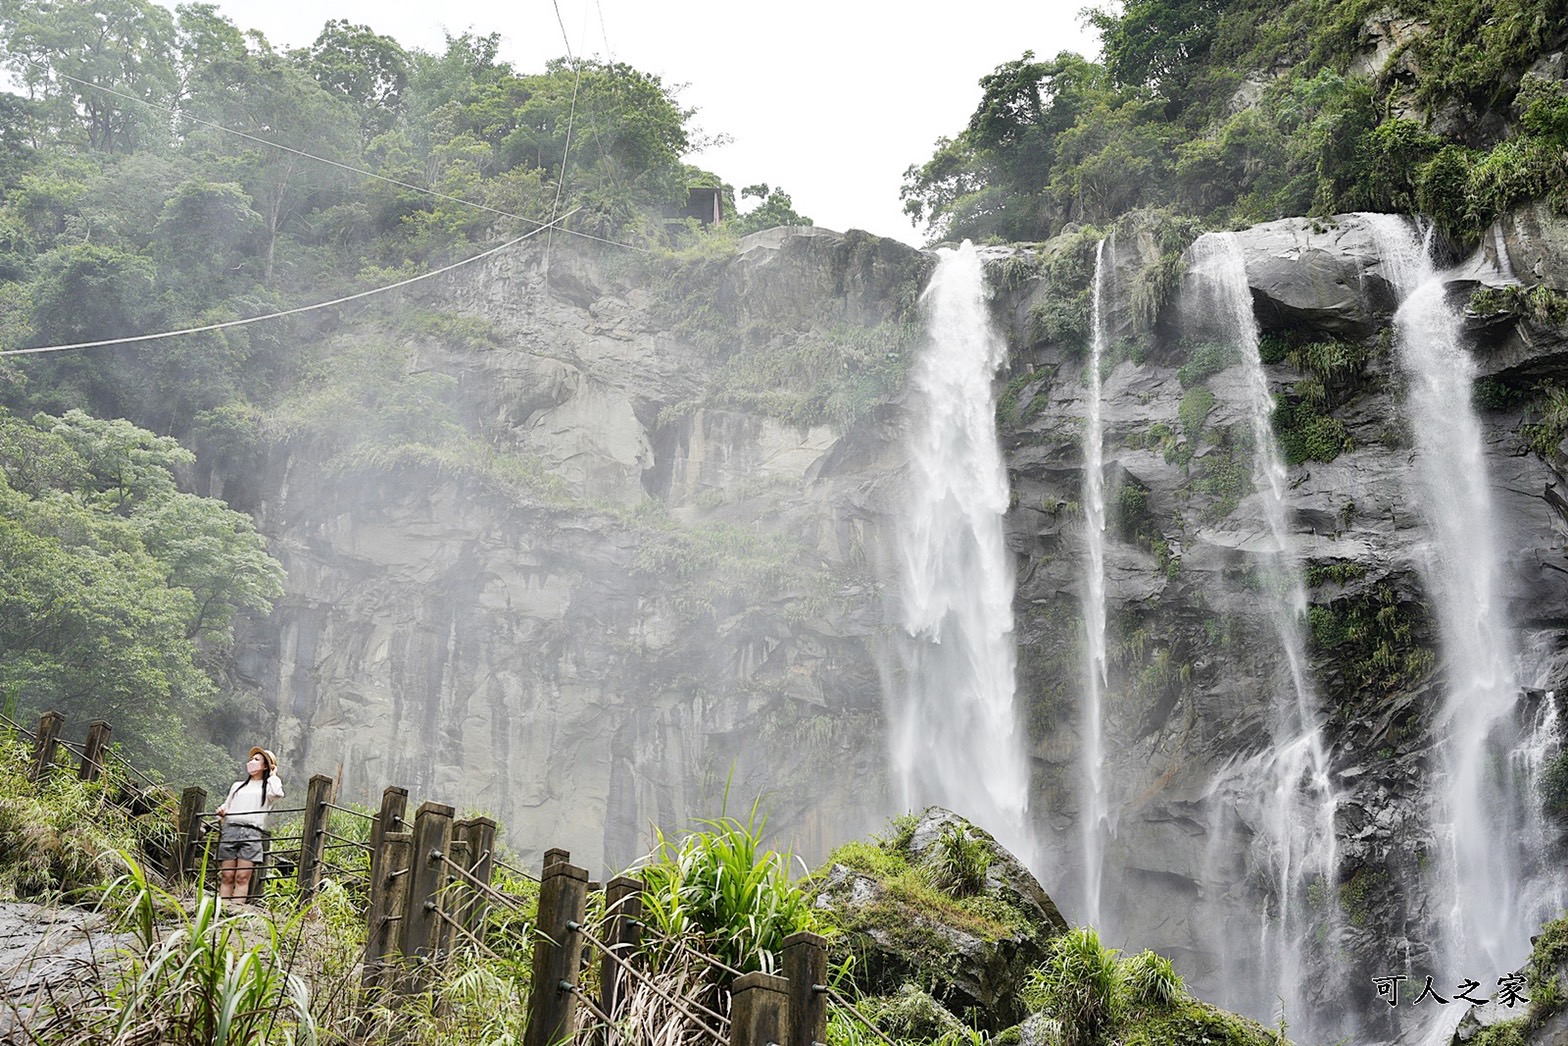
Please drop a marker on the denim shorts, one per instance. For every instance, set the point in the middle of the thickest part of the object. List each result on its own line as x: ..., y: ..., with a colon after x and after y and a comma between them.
x: 240, y: 842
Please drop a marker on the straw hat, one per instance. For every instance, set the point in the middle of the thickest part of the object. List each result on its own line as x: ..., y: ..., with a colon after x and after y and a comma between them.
x: 266, y: 754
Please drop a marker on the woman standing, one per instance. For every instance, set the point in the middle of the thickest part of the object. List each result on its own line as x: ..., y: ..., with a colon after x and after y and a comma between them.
x: 244, y: 816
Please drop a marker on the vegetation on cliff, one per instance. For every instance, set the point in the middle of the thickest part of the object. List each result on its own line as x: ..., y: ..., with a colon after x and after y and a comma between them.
x: 1238, y: 111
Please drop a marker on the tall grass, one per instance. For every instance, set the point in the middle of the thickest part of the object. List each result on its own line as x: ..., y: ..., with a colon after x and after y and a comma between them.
x: 722, y: 891
x: 198, y: 977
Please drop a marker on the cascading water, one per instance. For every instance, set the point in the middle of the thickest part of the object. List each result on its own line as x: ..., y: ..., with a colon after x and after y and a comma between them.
x: 1287, y: 791
x: 1493, y: 890
x: 955, y: 736
x: 1094, y: 804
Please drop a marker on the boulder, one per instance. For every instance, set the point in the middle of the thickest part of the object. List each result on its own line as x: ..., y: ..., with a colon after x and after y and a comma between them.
x: 968, y: 951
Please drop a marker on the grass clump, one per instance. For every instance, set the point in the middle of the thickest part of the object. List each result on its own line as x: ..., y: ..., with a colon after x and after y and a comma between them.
x: 1080, y: 986
x: 958, y: 862
x: 721, y: 891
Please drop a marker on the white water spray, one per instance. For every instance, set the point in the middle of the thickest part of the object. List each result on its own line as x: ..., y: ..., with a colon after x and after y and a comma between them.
x: 1094, y: 804
x: 1289, y: 784
x: 955, y: 735
x: 1488, y: 807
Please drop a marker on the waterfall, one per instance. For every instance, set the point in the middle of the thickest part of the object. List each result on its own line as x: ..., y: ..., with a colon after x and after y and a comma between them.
x: 1487, y: 825
x: 1094, y: 805
x: 955, y: 738
x: 1287, y: 791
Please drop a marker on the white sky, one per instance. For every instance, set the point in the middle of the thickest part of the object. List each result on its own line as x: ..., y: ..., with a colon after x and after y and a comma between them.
x: 829, y: 100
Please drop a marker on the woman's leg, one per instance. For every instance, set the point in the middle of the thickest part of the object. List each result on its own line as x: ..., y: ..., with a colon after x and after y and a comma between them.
x: 242, y: 879
x: 226, y: 871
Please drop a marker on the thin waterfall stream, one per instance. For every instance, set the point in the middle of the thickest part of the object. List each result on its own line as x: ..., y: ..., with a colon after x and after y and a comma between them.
x: 955, y: 737
x: 1493, y: 889
x: 1287, y: 790
x: 1094, y: 803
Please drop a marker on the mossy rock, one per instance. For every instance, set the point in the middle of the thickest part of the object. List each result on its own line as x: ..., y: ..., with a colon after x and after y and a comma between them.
x: 969, y: 948
x: 1191, y: 1023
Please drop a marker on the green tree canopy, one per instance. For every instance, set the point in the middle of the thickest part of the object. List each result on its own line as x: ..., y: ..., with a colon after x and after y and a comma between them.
x: 119, y: 587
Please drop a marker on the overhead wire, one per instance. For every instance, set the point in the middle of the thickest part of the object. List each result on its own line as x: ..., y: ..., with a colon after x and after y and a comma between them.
x: 286, y: 312
x: 566, y: 150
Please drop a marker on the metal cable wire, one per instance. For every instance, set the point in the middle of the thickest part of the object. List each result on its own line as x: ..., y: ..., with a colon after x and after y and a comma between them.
x: 646, y: 979
x: 515, y: 870
x: 484, y: 888
x: 460, y: 928
x: 704, y: 956
x: 343, y: 841
x: 346, y: 810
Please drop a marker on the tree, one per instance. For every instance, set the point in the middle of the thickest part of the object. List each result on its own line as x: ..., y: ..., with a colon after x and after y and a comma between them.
x: 1158, y: 44
x: 286, y: 113
x: 774, y: 209
x: 73, y: 54
x: 113, y: 576
x: 369, y: 70
x: 992, y: 179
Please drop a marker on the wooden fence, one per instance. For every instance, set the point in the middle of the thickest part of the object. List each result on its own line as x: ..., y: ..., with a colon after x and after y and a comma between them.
x: 430, y: 892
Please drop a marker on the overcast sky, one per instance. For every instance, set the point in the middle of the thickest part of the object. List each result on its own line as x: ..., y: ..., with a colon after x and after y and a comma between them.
x: 830, y: 100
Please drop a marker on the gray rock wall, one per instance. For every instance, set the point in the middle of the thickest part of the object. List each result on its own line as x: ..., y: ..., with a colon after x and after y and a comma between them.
x: 697, y: 603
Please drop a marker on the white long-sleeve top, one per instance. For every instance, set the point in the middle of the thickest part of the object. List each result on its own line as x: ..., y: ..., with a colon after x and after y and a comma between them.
x: 247, y: 805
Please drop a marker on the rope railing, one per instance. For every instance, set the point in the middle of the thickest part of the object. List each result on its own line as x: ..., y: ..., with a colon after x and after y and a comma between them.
x: 483, y: 887
x: 344, y: 841
x: 839, y: 1000
x: 647, y: 979
x: 515, y: 870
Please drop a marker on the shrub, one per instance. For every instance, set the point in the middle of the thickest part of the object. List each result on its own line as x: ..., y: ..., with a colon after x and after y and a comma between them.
x: 1194, y: 410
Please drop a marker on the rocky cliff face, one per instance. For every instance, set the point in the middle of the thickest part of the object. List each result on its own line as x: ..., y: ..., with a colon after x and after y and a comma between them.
x: 672, y: 577
x: 1194, y: 661
x: 676, y: 598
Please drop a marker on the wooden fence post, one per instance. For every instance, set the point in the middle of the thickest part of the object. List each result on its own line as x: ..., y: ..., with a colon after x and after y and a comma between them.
x: 313, y: 836
x: 623, y: 935
x: 556, y: 855
x: 479, y: 832
x: 421, y: 938
x: 394, y: 803
x: 43, y: 746
x: 388, y: 901
x: 806, y: 969
x: 192, y: 801
x: 552, y: 1000
x: 759, y: 1010
x: 98, y: 732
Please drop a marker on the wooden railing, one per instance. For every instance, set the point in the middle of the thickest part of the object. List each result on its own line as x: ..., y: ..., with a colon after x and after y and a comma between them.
x: 430, y: 892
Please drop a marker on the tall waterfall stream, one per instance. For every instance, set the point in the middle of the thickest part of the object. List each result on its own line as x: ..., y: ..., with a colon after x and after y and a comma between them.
x: 1491, y: 888
x: 955, y: 737
x: 1284, y: 794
